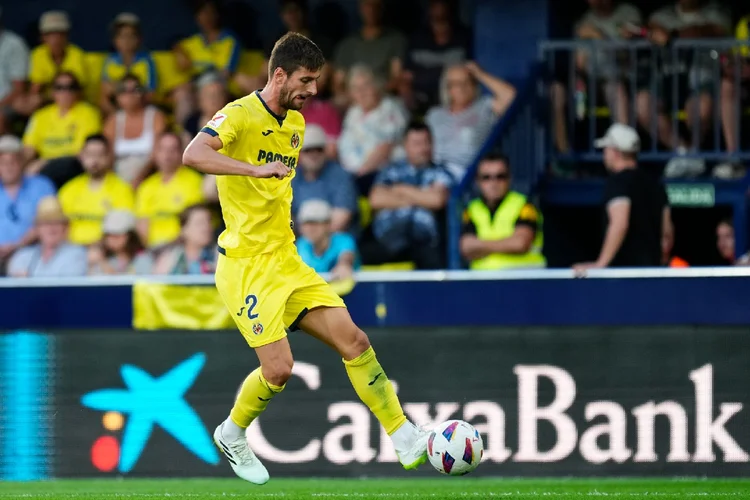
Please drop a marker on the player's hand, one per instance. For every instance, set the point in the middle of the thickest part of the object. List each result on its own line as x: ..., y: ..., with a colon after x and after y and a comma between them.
x: 273, y: 169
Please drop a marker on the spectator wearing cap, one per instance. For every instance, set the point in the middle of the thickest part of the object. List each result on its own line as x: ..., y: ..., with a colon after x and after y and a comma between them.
x: 319, y: 178
x: 636, y: 207
x: 120, y: 251
x: 162, y: 197
x: 14, y: 69
x: 56, y: 55
x: 408, y: 197
x: 53, y: 256
x: 129, y: 58
x: 19, y: 197
x: 320, y: 247
x: 56, y: 133
x: 87, y: 198
x: 502, y: 229
x: 133, y: 129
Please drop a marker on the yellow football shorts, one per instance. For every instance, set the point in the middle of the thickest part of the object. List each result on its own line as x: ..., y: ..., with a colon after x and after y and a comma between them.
x: 271, y: 291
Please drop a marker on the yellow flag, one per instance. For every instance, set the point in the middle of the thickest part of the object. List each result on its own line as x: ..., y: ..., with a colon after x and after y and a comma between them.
x: 192, y: 307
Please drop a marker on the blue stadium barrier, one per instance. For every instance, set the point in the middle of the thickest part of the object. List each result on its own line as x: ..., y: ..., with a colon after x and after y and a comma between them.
x: 519, y: 134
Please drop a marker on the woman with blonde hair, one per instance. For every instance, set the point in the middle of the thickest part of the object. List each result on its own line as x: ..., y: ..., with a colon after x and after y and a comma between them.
x: 465, y: 117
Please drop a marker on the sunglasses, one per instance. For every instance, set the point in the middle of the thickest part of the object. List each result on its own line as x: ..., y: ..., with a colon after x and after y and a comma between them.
x: 313, y: 150
x: 494, y: 177
x: 71, y: 87
x: 130, y: 90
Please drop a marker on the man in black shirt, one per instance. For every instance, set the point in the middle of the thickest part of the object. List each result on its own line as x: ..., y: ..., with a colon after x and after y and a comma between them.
x: 637, y: 209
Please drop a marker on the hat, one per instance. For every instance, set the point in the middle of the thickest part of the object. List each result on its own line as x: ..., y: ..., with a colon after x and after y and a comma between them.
x: 315, y: 137
x: 54, y: 21
x: 10, y: 144
x: 118, y: 222
x: 620, y: 137
x: 314, y: 211
x: 125, y: 19
x: 49, y: 210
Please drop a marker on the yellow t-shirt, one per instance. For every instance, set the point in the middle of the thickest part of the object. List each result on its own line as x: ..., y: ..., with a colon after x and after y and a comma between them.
x: 143, y: 68
x: 743, y: 33
x: 86, y: 207
x: 162, y: 202
x: 42, y: 68
x: 54, y: 136
x: 222, y: 54
x: 257, y: 212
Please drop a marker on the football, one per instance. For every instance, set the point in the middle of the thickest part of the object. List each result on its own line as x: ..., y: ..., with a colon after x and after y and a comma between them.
x: 455, y: 448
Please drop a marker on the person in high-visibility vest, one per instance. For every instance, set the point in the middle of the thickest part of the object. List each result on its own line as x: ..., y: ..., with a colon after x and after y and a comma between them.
x: 502, y: 229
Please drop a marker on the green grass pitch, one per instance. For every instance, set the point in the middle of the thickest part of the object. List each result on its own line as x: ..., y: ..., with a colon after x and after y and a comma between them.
x: 439, y: 488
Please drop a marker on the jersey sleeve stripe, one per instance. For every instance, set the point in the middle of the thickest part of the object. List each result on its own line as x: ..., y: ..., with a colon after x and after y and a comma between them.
x: 210, y: 132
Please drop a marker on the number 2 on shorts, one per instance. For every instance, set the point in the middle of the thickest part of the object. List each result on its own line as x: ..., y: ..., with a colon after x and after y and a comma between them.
x: 251, y: 301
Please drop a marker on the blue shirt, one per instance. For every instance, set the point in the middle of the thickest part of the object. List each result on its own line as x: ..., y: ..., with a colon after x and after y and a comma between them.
x: 334, y: 185
x: 340, y: 243
x: 17, y: 215
x: 68, y: 260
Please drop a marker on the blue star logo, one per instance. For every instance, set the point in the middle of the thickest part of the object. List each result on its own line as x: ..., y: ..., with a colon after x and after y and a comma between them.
x: 150, y: 401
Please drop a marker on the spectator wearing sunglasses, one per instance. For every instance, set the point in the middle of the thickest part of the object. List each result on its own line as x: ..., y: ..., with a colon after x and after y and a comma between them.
x: 129, y: 58
x: 54, y: 56
x: 502, y: 229
x: 56, y: 133
x: 322, y: 179
x: 133, y: 129
x: 19, y: 197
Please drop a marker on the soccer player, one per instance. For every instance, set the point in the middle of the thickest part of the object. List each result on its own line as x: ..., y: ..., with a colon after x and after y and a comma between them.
x: 253, y: 146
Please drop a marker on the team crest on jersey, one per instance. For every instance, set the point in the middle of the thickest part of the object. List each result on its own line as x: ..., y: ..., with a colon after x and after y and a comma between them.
x: 217, y: 120
x: 295, y: 140
x: 257, y: 328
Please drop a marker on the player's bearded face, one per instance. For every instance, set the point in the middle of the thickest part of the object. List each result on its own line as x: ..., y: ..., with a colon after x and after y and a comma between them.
x: 297, y: 88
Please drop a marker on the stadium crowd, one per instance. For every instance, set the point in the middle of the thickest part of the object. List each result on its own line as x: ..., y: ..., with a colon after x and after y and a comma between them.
x: 91, y: 174
x: 92, y: 180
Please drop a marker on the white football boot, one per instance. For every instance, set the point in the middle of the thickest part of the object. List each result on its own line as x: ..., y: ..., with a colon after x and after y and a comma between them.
x: 242, y: 459
x: 417, y: 454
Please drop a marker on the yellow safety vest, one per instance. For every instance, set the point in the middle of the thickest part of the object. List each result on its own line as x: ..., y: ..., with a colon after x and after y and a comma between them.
x: 502, y: 225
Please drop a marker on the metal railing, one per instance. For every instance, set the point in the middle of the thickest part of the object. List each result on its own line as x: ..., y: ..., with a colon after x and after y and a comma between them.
x: 669, y: 74
x: 520, y: 135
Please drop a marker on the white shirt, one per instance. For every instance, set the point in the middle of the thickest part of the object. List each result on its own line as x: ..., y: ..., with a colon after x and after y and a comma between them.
x: 14, y: 61
x: 364, y: 131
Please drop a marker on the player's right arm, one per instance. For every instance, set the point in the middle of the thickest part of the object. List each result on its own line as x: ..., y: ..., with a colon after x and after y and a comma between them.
x: 227, y: 126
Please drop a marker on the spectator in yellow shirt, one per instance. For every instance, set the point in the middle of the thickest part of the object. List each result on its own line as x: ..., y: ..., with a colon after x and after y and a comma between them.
x: 90, y: 196
x: 56, y: 133
x: 129, y: 58
x: 162, y: 197
x: 55, y: 55
x: 213, y: 49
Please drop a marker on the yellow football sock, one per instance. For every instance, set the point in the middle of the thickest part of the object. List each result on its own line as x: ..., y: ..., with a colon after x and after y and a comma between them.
x: 375, y: 390
x: 254, y: 396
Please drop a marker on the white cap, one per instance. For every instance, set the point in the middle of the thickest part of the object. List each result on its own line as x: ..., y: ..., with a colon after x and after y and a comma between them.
x: 118, y: 222
x: 126, y: 19
x: 314, y: 211
x: 315, y: 137
x: 620, y: 137
x: 54, y: 21
x: 10, y: 144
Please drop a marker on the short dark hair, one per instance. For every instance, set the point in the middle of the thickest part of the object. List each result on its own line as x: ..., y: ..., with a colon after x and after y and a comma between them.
x: 293, y: 51
x: 418, y: 126
x: 97, y: 138
x: 495, y: 156
x: 189, y: 211
x: 76, y: 82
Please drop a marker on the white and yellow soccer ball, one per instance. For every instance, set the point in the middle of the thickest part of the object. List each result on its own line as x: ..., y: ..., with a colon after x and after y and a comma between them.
x: 455, y: 448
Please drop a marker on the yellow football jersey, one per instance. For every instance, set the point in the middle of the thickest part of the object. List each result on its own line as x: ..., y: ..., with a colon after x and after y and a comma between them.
x: 221, y: 54
x: 86, y: 207
x: 53, y: 136
x: 42, y: 68
x: 162, y: 202
x: 257, y: 212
